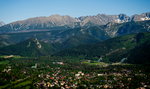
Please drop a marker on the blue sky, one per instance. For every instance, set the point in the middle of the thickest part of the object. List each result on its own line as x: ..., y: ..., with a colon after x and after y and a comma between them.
x: 13, y: 10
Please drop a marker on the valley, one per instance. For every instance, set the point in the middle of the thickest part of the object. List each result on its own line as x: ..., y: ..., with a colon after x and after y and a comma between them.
x: 33, y: 64
x: 88, y: 52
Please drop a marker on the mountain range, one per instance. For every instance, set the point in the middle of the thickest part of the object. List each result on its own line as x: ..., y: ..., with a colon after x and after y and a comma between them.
x: 112, y: 37
x: 55, y: 22
x: 76, y: 36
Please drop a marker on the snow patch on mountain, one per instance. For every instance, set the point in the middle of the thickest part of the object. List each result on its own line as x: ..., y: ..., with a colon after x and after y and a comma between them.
x: 145, y: 18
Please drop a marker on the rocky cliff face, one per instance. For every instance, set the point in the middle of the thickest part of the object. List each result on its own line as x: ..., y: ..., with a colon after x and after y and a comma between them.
x: 102, y: 19
x: 141, y: 17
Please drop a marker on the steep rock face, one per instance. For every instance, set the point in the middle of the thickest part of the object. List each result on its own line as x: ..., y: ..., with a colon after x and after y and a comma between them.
x: 123, y: 18
x: 141, y: 17
x: 102, y: 19
x: 114, y: 29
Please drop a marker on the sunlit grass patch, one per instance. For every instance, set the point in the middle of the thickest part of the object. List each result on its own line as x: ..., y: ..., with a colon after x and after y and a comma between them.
x: 23, y: 83
x: 4, y: 62
x: 95, y: 63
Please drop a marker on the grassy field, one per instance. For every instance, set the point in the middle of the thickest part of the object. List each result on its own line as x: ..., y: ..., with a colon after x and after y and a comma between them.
x: 24, y: 83
x: 18, y: 84
x: 95, y: 63
x: 4, y: 62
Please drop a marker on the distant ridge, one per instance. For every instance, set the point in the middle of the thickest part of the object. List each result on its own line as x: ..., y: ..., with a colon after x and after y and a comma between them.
x: 64, y: 22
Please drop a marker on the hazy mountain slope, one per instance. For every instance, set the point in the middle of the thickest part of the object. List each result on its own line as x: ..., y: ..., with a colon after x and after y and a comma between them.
x: 58, y: 40
x: 133, y: 47
x: 99, y: 32
x: 92, y: 35
x: 112, y: 50
x: 77, y: 36
x: 113, y: 29
x: 134, y: 27
x: 31, y: 47
x: 100, y: 48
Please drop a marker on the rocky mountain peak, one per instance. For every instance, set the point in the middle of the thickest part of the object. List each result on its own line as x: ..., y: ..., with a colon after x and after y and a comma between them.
x: 141, y: 17
x: 2, y: 23
x: 32, y: 42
